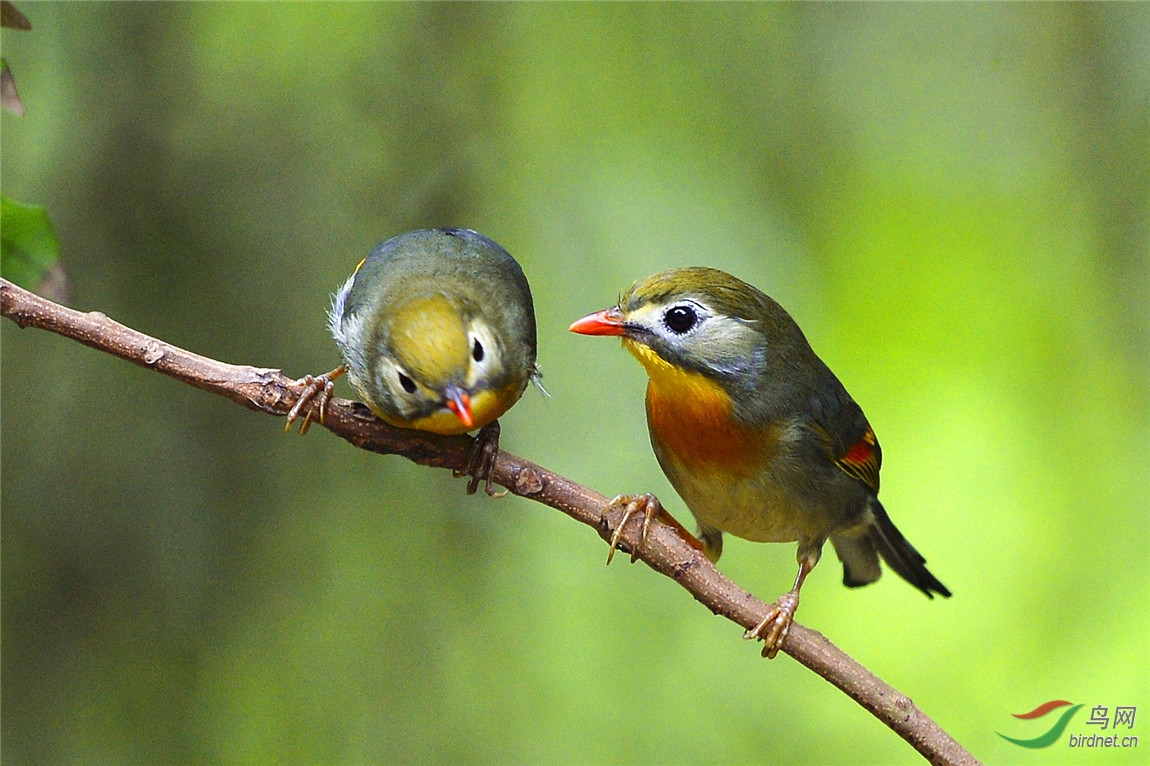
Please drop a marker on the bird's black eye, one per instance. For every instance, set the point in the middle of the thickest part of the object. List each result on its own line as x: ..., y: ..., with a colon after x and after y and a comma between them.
x: 477, y: 351
x: 407, y: 383
x: 680, y: 319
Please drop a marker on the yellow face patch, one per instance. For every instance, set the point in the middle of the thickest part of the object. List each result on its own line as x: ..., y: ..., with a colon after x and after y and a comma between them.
x: 429, y: 339
x: 439, y: 422
x: 486, y: 406
x: 691, y: 416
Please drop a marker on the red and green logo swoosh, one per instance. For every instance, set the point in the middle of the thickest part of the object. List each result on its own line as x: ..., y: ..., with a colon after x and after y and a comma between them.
x: 1055, y: 731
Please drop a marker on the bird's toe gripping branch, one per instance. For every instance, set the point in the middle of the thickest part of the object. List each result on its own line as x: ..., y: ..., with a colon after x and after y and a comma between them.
x: 630, y: 505
x: 651, y: 508
x: 773, y: 628
x: 318, y: 387
x: 480, y: 461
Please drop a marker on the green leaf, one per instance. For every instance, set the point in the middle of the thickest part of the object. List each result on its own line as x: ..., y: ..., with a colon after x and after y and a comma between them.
x: 28, y: 245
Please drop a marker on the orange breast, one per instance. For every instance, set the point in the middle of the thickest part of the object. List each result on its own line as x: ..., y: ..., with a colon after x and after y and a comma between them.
x: 691, y: 417
x: 700, y: 431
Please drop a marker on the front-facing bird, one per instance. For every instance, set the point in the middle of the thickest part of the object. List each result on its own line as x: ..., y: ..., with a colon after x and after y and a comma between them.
x: 437, y: 333
x: 755, y: 433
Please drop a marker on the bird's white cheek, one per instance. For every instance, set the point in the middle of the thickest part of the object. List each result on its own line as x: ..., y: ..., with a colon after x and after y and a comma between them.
x: 484, y: 368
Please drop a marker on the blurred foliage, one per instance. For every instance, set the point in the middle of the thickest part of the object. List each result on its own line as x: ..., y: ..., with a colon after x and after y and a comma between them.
x: 952, y: 199
x: 28, y: 245
x: 12, y: 18
x: 9, y: 95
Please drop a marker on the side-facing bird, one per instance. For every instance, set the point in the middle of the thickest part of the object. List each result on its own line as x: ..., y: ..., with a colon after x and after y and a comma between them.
x: 755, y: 432
x: 437, y: 333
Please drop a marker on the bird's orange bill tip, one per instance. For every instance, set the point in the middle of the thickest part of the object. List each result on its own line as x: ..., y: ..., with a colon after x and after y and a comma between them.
x: 605, y: 322
x: 459, y: 402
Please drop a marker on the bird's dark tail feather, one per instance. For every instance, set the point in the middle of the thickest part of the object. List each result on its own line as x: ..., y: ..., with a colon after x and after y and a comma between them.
x: 900, y: 555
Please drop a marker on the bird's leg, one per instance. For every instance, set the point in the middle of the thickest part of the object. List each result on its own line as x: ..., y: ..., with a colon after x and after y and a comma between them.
x: 651, y: 508
x: 780, y: 616
x: 480, y: 460
x: 314, y: 386
x: 711, y: 542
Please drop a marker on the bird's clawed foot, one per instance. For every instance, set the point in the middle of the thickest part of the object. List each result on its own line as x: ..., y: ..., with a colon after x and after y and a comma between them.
x: 632, y: 504
x: 779, y: 617
x: 481, y: 460
x: 318, y: 387
x: 774, y: 627
x: 651, y: 508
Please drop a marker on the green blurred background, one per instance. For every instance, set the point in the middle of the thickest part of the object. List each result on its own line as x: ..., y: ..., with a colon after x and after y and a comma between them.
x: 952, y: 200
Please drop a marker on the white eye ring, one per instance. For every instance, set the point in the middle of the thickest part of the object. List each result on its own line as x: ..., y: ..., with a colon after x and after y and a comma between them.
x: 484, y: 354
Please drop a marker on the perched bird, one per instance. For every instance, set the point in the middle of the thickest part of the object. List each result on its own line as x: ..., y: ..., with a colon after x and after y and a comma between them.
x: 755, y: 432
x: 437, y: 333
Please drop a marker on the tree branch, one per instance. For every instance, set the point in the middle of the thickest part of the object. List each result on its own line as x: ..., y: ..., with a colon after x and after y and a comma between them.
x: 270, y: 391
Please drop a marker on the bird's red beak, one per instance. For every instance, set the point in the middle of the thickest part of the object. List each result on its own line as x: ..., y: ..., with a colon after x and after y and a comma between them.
x: 459, y: 402
x: 605, y: 322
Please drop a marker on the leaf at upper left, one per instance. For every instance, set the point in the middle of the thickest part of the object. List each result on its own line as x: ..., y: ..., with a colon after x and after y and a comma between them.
x: 11, y: 18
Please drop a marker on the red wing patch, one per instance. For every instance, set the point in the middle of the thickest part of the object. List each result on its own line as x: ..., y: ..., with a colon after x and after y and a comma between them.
x: 861, y: 460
